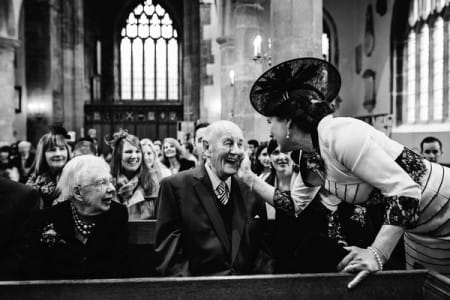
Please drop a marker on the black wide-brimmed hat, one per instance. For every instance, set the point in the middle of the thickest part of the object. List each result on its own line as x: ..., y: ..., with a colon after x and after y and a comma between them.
x: 278, y: 83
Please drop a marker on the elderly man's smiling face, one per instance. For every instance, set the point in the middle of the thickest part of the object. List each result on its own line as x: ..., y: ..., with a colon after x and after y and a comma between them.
x: 225, y: 148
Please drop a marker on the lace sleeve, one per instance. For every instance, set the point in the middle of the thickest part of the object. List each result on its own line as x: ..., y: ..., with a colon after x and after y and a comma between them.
x: 283, y: 201
x: 401, y: 211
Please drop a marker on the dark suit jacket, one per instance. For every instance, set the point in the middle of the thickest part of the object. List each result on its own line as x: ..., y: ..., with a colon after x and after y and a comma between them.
x: 191, y: 238
x: 103, y: 255
x: 17, y: 201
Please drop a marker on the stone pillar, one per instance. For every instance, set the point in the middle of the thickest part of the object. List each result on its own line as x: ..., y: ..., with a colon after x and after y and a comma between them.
x: 191, y: 60
x: 226, y: 85
x: 247, y: 25
x: 7, y: 82
x: 296, y: 29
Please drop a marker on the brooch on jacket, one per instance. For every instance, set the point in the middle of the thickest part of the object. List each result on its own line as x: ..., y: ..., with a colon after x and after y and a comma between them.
x: 50, y: 237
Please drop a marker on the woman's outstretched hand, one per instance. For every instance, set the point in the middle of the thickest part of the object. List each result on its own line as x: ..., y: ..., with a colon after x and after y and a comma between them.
x: 245, y: 171
x: 359, y: 261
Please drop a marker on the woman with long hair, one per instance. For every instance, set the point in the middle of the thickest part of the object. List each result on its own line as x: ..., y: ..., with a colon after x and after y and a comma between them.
x: 358, y: 164
x: 262, y: 164
x: 52, y: 154
x: 174, y: 157
x: 128, y: 169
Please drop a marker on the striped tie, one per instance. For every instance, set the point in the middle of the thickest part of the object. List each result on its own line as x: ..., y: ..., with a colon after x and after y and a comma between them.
x: 222, y: 192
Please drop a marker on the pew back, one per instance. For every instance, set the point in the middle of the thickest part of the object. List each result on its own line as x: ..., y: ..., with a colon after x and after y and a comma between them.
x: 385, y: 285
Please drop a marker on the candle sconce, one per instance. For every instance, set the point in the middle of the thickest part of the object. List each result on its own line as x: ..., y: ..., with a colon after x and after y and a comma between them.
x: 258, y: 56
x: 231, y: 76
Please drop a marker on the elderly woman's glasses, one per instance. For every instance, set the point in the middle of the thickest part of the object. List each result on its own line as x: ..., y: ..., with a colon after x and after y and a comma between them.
x: 102, y: 183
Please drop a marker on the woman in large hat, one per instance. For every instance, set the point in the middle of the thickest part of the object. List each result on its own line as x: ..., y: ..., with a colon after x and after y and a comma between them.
x: 358, y: 164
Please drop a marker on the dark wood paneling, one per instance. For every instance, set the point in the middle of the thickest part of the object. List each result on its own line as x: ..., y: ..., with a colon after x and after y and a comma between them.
x: 144, y: 119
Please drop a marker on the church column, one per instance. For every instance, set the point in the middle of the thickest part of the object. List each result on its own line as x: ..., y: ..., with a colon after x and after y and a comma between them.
x: 191, y: 60
x: 296, y: 29
x: 247, y: 26
x: 7, y: 82
x: 226, y: 82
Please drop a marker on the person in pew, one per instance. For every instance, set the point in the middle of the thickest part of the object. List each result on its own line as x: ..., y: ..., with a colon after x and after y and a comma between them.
x: 18, y: 202
x: 431, y: 149
x: 52, y: 154
x: 358, y: 164
x: 174, y: 156
x: 86, y: 234
x: 152, y: 175
x: 315, y: 241
x: 131, y: 176
x: 209, y: 222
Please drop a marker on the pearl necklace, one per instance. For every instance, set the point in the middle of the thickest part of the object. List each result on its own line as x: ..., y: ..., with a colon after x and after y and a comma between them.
x: 83, y: 228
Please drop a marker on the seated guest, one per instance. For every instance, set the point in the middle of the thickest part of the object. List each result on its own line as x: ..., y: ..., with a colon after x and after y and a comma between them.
x: 52, y: 154
x: 431, y: 149
x: 209, y: 222
x: 127, y: 170
x: 262, y: 166
x: 251, y: 151
x: 152, y: 175
x: 84, y: 146
x: 314, y: 241
x: 25, y: 160
x: 199, y: 132
x: 173, y: 156
x: 189, y: 150
x: 84, y: 236
x: 7, y: 167
x: 17, y: 203
x: 158, y: 148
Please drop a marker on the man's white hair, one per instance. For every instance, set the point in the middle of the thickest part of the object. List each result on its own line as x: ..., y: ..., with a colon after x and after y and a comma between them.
x: 78, y: 171
x: 217, y: 128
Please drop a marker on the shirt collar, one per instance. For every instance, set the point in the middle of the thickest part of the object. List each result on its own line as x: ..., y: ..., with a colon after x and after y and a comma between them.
x: 215, y: 181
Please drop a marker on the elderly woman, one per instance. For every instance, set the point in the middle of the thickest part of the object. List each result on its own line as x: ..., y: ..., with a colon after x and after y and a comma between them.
x: 52, y: 154
x: 356, y: 163
x: 84, y: 236
x: 173, y: 156
x: 131, y: 176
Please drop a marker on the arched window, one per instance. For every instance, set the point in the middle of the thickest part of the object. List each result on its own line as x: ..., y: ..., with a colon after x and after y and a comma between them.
x: 329, y: 39
x: 425, y: 57
x: 149, y: 62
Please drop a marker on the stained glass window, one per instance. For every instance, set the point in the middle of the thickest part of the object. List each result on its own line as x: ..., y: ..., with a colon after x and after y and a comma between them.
x: 149, y: 55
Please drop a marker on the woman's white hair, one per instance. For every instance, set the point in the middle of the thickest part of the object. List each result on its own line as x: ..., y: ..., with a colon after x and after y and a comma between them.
x: 77, y: 172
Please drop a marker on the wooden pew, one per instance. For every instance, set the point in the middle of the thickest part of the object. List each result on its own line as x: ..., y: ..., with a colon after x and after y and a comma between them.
x: 141, y: 255
x: 385, y: 285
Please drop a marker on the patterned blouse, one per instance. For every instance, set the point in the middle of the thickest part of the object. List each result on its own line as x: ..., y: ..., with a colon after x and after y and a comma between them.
x: 363, y: 166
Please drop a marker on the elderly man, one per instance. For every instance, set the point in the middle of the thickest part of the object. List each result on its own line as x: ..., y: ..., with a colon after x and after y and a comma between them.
x: 209, y: 222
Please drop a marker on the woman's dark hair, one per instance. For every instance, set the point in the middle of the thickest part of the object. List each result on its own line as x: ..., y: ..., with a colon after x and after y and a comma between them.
x: 306, y: 110
x: 258, y: 165
x: 48, y: 141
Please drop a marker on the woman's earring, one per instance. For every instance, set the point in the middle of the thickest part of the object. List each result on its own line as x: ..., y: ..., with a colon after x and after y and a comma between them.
x: 288, y: 134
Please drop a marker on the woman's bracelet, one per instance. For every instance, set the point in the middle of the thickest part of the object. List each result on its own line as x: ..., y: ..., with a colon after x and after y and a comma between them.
x: 377, y: 257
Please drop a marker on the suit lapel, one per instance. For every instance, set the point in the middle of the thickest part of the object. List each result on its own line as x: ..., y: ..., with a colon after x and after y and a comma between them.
x: 239, y: 215
x: 208, y: 198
